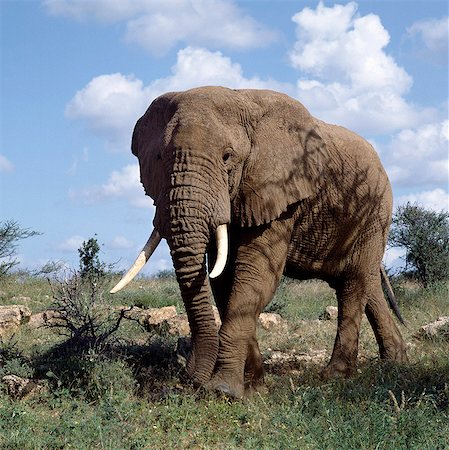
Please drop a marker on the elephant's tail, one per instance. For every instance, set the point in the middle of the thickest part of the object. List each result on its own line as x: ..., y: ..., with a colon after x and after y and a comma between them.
x: 390, y: 295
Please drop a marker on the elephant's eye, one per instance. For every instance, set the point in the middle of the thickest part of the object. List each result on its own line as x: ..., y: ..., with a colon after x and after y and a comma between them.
x: 158, y: 156
x: 227, y: 155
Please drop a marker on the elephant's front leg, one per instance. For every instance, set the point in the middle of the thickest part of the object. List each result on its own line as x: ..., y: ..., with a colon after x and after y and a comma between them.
x: 259, y: 262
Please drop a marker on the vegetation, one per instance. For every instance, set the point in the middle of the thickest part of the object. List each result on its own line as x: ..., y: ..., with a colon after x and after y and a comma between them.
x: 425, y: 236
x: 90, y: 265
x: 129, y: 393
x: 10, y: 234
x: 81, y: 311
x: 101, y: 381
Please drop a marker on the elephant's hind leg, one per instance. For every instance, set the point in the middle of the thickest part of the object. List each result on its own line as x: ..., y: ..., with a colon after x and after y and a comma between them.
x: 388, y: 336
x: 352, y: 298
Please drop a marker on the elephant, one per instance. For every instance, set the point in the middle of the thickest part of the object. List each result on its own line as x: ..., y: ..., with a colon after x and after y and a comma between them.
x: 249, y: 186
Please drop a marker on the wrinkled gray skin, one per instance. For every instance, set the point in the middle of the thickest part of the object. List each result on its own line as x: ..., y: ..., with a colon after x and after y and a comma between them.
x: 301, y: 197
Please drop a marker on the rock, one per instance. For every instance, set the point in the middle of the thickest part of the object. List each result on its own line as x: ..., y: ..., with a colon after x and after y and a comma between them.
x: 439, y: 328
x: 11, y: 317
x: 277, y: 358
x: 148, y: 316
x: 155, y: 316
x: 43, y: 318
x: 330, y: 313
x: 179, y: 325
x: 19, y: 387
x: 163, y: 320
x: 272, y: 321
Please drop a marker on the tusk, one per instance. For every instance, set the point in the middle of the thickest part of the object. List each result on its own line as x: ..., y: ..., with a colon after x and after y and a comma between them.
x: 143, y: 257
x: 222, y: 251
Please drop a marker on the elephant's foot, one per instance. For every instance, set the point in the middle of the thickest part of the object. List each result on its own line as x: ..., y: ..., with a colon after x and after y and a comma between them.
x: 198, y: 368
x: 395, y: 354
x: 337, y: 369
x: 229, y: 386
x: 254, y: 371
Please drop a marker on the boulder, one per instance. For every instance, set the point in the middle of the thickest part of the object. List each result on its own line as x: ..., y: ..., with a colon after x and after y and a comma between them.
x: 439, y: 328
x: 156, y: 316
x: 18, y: 387
x: 179, y: 325
x: 330, y: 313
x: 272, y: 321
x: 41, y: 319
x: 278, y: 358
x: 11, y: 317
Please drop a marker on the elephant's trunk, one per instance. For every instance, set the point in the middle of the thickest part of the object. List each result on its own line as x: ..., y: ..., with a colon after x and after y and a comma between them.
x: 188, y: 241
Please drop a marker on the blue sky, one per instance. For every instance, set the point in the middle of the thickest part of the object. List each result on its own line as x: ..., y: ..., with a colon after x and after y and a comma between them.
x: 76, y: 75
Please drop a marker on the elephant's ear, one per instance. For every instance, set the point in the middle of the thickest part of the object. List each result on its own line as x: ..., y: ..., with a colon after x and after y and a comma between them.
x: 286, y: 161
x: 147, y: 143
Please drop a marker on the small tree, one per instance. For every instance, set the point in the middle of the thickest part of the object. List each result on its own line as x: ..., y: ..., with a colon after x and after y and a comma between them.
x: 425, y: 236
x: 90, y: 265
x: 83, y: 313
x: 10, y: 233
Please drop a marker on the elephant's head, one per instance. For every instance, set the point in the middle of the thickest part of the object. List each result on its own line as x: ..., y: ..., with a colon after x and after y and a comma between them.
x: 211, y: 156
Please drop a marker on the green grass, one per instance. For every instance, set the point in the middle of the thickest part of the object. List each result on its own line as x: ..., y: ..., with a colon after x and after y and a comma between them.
x: 129, y: 394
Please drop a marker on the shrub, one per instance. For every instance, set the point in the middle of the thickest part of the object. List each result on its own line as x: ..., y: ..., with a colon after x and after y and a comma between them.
x: 90, y: 265
x: 10, y: 233
x: 425, y: 236
x: 83, y: 314
x: 12, y: 360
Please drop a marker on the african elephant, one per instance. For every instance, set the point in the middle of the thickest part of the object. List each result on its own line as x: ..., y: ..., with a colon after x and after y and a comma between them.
x: 293, y: 194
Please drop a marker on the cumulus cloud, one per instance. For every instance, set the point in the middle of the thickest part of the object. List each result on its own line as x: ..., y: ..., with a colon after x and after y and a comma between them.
x: 419, y: 156
x: 71, y: 244
x: 434, y: 35
x: 436, y: 199
x: 121, y: 243
x: 198, y: 67
x: 123, y: 183
x: 346, y: 75
x: 110, y: 104
x: 5, y: 164
x: 158, y: 25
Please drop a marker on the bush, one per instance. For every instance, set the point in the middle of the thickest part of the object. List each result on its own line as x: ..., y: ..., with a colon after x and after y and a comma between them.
x: 425, y: 236
x: 12, y: 360
x: 83, y: 314
x: 10, y: 233
x: 90, y: 265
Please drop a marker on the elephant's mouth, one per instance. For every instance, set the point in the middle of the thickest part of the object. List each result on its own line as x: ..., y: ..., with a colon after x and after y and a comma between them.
x: 221, y: 235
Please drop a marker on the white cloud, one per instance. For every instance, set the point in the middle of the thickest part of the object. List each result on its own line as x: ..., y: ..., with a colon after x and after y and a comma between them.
x: 200, y: 67
x: 123, y: 183
x: 346, y: 75
x: 5, y: 165
x: 105, y: 11
x: 159, y: 25
x: 394, y: 257
x: 71, y: 244
x: 121, y: 243
x: 111, y: 104
x: 434, y: 33
x: 436, y: 199
x: 419, y: 156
